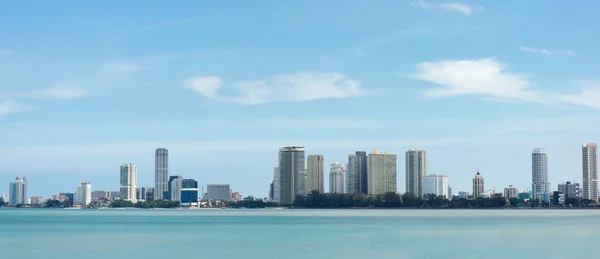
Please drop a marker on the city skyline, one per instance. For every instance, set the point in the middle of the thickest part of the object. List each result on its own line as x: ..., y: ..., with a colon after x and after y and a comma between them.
x: 223, y: 87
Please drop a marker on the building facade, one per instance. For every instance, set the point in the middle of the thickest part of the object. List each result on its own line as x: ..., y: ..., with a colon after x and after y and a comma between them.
x: 189, y: 192
x: 17, y: 191
x: 86, y: 194
x: 128, y: 182
x: 276, y: 185
x: 570, y: 190
x: 141, y: 193
x: 539, y: 174
x: 337, y: 178
x: 161, y: 173
x: 174, y: 190
x: 357, y: 173
x: 99, y: 194
x: 292, y: 174
x: 381, y: 169
x: 511, y: 192
x: 218, y: 192
x: 435, y: 184
x: 416, y: 169
x: 315, y: 171
x: 589, y: 158
x: 477, y: 185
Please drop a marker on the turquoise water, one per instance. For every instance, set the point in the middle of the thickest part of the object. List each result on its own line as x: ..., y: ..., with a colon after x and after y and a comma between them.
x: 477, y: 234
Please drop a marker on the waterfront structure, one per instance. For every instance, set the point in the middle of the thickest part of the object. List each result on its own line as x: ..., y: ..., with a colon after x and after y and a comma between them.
x: 99, y: 194
x: 463, y: 195
x: 539, y: 174
x: 174, y: 190
x: 68, y: 195
x: 292, y: 174
x: 86, y: 193
x: 314, y: 173
x: 357, y: 173
x: 337, y: 178
x: 218, y: 192
x: 236, y: 196
x: 477, y: 185
x: 149, y: 193
x: 36, y: 200
x: 140, y: 193
x: 589, y: 159
x: 381, y: 169
x: 570, y: 190
x: 416, y: 169
x: 510, y: 192
x: 128, y: 182
x: 276, y: 184
x: 189, y: 192
x: 17, y: 191
x: 435, y: 184
x: 161, y: 173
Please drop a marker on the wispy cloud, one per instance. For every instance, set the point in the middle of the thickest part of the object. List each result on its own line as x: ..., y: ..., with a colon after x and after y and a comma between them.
x: 60, y: 92
x: 548, y: 52
x: 289, y: 87
x: 488, y: 78
x: 461, y: 8
x: 10, y: 107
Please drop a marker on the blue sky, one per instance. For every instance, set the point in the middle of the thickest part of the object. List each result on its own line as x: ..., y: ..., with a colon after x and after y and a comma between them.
x: 87, y: 86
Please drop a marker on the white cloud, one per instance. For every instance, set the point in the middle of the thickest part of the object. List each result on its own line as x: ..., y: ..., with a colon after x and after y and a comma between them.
x: 548, y: 52
x: 60, y: 92
x: 462, y: 8
x: 485, y: 77
x: 290, y: 87
x: 10, y: 107
x: 589, y: 97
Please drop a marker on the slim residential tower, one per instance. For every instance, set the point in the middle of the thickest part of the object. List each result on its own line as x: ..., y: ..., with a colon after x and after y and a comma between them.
x: 161, y: 173
x: 416, y: 168
x: 539, y: 174
x: 589, y: 159
x: 292, y: 174
x: 477, y: 185
x: 314, y: 170
x: 381, y: 173
x: 128, y: 182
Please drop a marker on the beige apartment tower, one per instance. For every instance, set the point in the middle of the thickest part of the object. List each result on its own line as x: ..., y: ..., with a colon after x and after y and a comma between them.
x: 128, y: 182
x: 315, y: 171
x: 381, y: 171
x: 589, y: 158
x: 477, y: 185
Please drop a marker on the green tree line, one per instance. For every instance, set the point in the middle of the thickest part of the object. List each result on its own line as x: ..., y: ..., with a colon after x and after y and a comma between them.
x: 145, y: 204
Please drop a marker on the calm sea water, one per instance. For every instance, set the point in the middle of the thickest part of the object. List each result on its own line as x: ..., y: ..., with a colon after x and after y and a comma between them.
x: 40, y: 233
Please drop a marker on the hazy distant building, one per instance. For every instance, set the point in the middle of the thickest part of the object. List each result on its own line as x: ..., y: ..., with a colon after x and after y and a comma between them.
x: 174, y: 190
x: 477, y: 185
x: 99, y: 194
x: 416, y: 169
x: 271, y: 190
x: 149, y: 193
x: 511, y: 192
x: 114, y: 195
x: 463, y: 195
x: 86, y: 193
x: 161, y: 173
x: 276, y: 184
x: 128, y: 182
x: 218, y: 192
x: 140, y: 193
x: 292, y: 173
x: 381, y: 168
x: 435, y: 184
x: 68, y: 195
x: 17, y: 191
x: 315, y: 171
x: 449, y: 192
x: 189, y: 192
x: 36, y: 200
x: 570, y: 190
x: 539, y: 174
x: 589, y: 159
x: 337, y: 178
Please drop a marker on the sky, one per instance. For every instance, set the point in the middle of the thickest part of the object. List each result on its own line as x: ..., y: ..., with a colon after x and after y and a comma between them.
x: 86, y: 86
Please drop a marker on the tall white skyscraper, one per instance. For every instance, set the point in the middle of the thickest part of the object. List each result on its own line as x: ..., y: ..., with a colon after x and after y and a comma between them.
x: 17, y: 193
x: 78, y: 194
x: 416, y: 168
x: 381, y: 168
x: 477, y: 185
x: 128, y: 182
x: 539, y: 174
x: 435, y: 184
x: 161, y: 173
x: 86, y: 193
x: 292, y: 174
x: 337, y: 178
x: 315, y: 171
x: 589, y: 159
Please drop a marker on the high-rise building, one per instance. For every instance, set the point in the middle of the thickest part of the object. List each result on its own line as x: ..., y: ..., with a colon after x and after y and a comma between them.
x: 149, y: 193
x: 271, y: 190
x: 36, y: 200
x: 570, y: 190
x: 381, y: 168
x: 511, y: 192
x: 99, y: 194
x: 477, y: 185
x: 416, y: 168
x: 449, y: 193
x: 435, y: 184
x: 174, y: 190
x: 140, y: 193
x: 357, y: 174
x: 128, y: 182
x: 337, y: 178
x: 363, y: 172
x: 161, y: 173
x: 315, y: 171
x: 589, y: 159
x: 189, y: 192
x: 218, y: 192
x: 539, y: 174
x: 86, y: 193
x: 17, y: 191
x: 292, y: 174
x: 78, y: 194
x: 276, y: 185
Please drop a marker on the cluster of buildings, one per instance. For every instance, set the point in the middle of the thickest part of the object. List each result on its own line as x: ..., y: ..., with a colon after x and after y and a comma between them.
x: 375, y: 173
x: 166, y: 187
